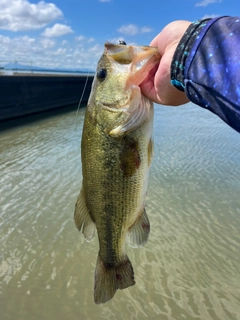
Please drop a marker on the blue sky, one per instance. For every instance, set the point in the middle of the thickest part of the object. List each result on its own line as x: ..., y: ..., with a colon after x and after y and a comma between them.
x: 71, y: 33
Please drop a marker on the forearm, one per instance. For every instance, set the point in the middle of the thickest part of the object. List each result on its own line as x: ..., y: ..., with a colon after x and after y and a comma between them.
x: 206, y: 65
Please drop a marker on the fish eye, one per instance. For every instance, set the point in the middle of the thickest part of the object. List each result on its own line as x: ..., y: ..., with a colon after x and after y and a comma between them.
x: 101, y: 74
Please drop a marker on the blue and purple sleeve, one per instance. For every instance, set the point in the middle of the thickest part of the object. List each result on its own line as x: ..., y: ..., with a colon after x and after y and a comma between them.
x: 206, y: 65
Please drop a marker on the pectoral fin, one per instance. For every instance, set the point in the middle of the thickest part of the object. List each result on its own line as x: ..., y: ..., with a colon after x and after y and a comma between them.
x: 82, y: 218
x: 137, y: 235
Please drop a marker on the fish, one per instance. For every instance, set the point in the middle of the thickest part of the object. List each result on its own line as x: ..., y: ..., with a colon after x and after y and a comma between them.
x: 116, y: 153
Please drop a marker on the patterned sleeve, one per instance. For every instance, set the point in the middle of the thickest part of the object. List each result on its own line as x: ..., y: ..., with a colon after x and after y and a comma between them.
x: 206, y: 65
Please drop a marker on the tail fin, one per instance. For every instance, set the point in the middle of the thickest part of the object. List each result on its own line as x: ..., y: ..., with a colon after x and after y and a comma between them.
x: 110, y: 278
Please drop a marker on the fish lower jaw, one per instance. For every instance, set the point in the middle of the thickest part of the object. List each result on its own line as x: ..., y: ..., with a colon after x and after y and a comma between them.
x: 116, y: 108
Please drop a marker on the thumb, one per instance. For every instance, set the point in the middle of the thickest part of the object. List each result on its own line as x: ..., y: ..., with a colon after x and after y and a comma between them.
x: 170, y: 36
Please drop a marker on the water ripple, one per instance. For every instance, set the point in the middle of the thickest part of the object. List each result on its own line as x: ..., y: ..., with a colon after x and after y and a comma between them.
x: 188, y: 270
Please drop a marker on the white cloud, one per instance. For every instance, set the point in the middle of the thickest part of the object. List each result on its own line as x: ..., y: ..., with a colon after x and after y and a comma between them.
x: 17, y: 48
x: 47, y: 43
x: 60, y: 52
x: 205, y: 3
x: 4, y: 40
x: 90, y: 40
x: 57, y: 30
x: 145, y: 29
x: 64, y: 42
x: 82, y: 39
x: 20, y: 15
x: 48, y: 53
x: 96, y: 50
x: 210, y: 16
x: 79, y: 38
x: 132, y: 29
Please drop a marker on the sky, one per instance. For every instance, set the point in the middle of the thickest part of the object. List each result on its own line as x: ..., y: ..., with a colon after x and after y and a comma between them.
x: 70, y: 34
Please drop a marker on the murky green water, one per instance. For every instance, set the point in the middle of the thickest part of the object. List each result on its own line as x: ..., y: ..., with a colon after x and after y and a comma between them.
x: 190, y: 268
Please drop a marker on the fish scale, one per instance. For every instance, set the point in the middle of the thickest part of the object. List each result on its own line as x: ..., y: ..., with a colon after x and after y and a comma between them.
x: 116, y: 152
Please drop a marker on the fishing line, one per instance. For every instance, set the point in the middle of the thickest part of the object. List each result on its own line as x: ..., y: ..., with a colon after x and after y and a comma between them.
x: 80, y: 101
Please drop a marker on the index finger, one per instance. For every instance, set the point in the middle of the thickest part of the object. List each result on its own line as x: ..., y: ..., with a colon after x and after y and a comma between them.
x: 154, y: 42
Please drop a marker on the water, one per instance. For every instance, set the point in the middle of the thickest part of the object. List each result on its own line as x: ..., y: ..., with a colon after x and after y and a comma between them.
x: 190, y: 268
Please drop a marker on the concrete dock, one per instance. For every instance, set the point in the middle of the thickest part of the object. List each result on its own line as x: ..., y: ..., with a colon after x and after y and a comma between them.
x: 28, y: 93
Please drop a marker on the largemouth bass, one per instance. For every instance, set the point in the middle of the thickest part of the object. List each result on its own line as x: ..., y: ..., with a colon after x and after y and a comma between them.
x: 116, y: 152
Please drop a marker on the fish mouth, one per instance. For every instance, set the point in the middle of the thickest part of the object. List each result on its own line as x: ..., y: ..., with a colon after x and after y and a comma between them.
x: 140, y: 60
x: 130, y: 65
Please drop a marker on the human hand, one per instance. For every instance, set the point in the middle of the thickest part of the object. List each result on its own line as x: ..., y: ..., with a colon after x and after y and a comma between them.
x: 157, y: 86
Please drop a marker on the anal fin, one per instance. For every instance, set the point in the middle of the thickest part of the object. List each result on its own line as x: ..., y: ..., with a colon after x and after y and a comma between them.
x: 138, y: 233
x: 82, y: 218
